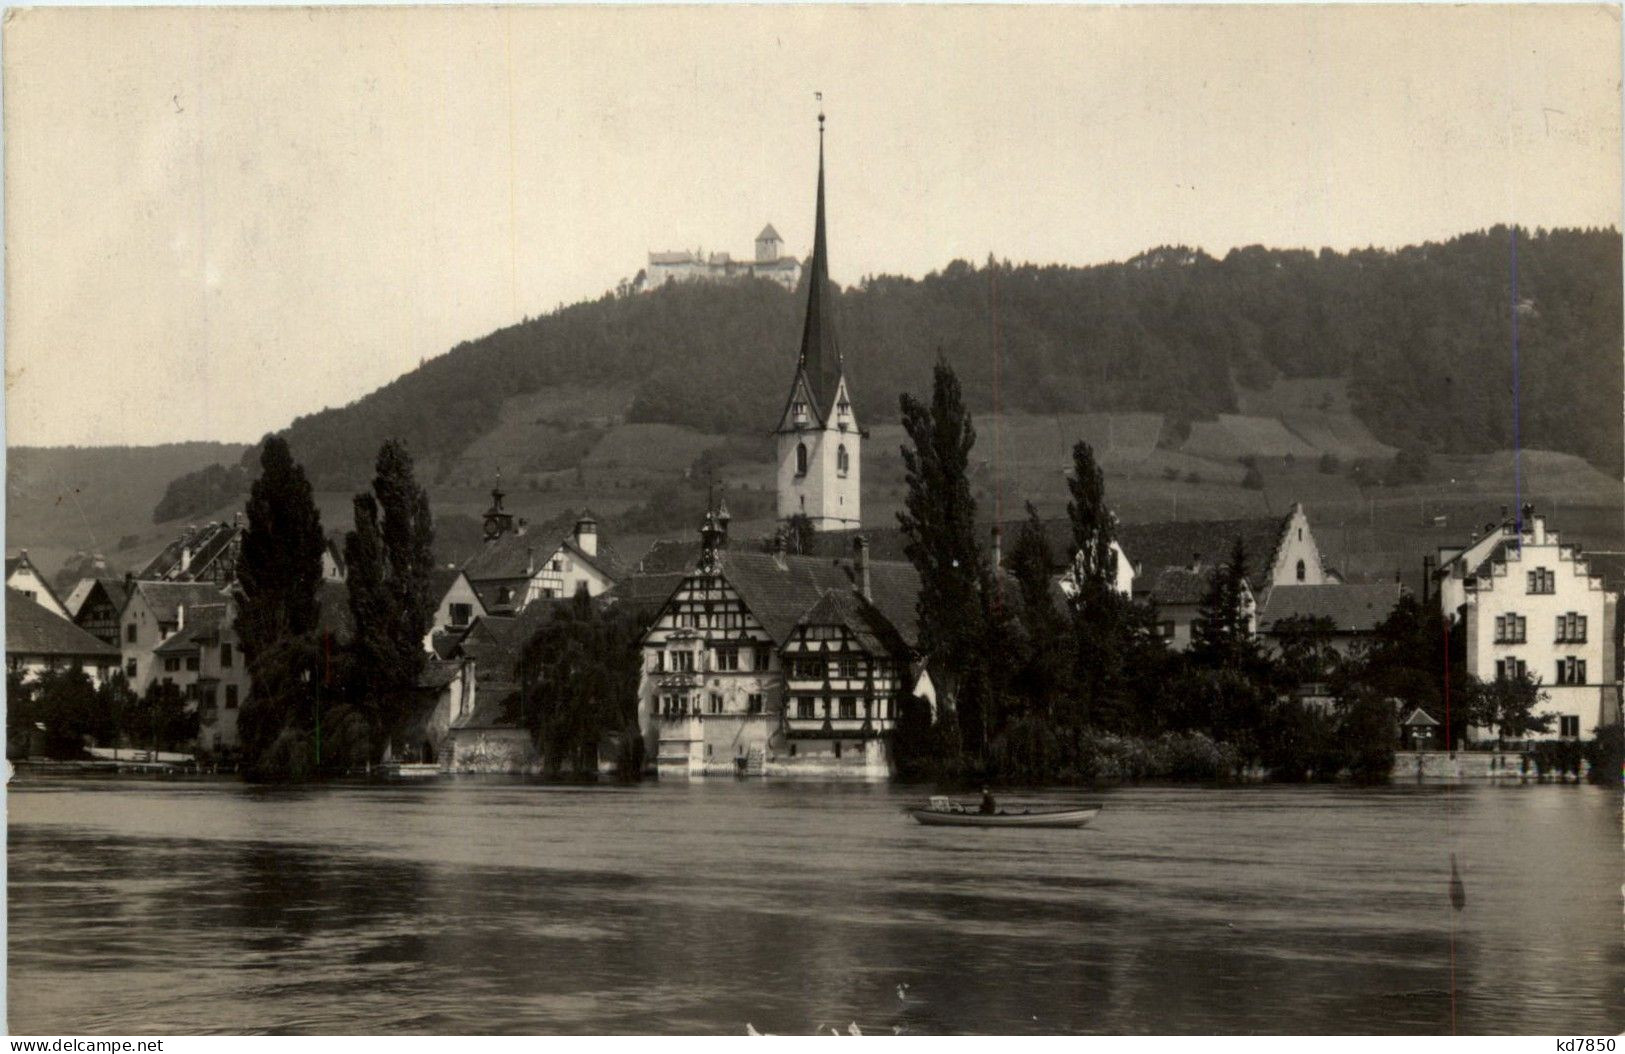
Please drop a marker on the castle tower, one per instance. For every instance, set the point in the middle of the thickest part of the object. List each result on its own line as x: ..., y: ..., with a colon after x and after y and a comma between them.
x: 818, y: 435
x: 769, y: 246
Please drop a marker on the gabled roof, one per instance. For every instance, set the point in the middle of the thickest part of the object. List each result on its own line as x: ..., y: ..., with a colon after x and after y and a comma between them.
x: 441, y: 579
x: 1351, y: 608
x: 1154, y: 546
x: 779, y: 590
x: 437, y: 673
x: 1419, y: 716
x: 769, y: 232
x: 646, y: 592
x: 517, y: 556
x: 165, y: 598
x: 202, y: 625
x: 21, y: 560
x: 111, y: 589
x: 207, y: 544
x: 33, y: 630
x: 1179, y: 585
x: 872, y: 631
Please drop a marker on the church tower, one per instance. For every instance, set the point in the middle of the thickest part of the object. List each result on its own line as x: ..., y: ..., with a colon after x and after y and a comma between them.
x: 819, y: 439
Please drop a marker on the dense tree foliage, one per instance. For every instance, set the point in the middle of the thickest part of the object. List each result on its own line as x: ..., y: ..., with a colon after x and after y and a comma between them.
x: 938, y: 522
x: 1422, y: 333
x: 200, y: 492
x: 278, y: 574
x: 579, y: 687
x: 389, y: 556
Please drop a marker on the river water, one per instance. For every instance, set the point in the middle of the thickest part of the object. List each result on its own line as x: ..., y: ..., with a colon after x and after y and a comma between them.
x: 519, y: 908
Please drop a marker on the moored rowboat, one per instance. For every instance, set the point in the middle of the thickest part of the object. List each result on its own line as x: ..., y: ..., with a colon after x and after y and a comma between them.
x: 1041, y: 818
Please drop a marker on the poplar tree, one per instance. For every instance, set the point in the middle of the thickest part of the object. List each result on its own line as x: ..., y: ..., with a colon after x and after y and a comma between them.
x: 390, y: 555
x: 938, y: 523
x: 279, y: 570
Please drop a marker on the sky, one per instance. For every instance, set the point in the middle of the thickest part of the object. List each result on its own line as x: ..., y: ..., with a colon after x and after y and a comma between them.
x: 217, y: 220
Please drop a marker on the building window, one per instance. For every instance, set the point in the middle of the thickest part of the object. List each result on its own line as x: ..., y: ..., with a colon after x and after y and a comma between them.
x: 716, y: 702
x: 804, y: 707
x: 461, y: 614
x: 849, y: 708
x: 231, y: 697
x: 1302, y: 571
x: 659, y: 663
x: 504, y: 595
x: 1542, y: 580
x: 129, y: 670
x: 728, y: 657
x: 225, y: 655
x: 1510, y: 669
x: 809, y: 669
x: 1571, y: 628
x: 208, y: 698
x: 172, y: 665
x: 842, y: 462
x: 1571, y: 671
x: 191, y: 663
x: 801, y: 459
x: 1568, y: 726
x: 1510, y: 629
x: 851, y: 667
x: 799, y: 411
x: 753, y: 703
x: 837, y: 748
x: 190, y: 692
x: 683, y: 661
x: 1165, y: 630
x: 763, y: 657
x: 129, y: 633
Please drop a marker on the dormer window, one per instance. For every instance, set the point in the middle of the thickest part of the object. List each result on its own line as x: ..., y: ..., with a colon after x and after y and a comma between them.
x: 798, y: 411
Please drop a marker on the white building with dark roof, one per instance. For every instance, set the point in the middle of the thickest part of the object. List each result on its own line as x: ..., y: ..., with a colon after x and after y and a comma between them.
x: 1530, y: 604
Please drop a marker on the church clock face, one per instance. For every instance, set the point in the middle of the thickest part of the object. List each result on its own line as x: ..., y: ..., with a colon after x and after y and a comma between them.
x: 493, y: 527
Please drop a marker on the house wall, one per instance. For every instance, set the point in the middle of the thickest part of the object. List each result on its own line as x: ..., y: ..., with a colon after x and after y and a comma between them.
x: 1184, y: 616
x: 564, y: 575
x: 461, y: 592
x: 27, y: 581
x: 140, y: 668
x: 223, y: 683
x: 1297, y: 545
x: 1504, y: 591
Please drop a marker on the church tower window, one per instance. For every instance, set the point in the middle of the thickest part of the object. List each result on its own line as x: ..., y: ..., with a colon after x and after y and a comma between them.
x: 801, y: 459
x: 842, y: 463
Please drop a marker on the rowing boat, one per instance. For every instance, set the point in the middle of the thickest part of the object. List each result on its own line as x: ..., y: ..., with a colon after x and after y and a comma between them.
x: 936, y: 816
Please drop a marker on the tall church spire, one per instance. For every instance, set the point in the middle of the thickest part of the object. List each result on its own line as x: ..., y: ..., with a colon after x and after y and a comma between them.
x: 820, y: 357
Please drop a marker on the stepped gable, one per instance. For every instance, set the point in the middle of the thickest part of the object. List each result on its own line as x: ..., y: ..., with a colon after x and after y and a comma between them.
x: 33, y: 630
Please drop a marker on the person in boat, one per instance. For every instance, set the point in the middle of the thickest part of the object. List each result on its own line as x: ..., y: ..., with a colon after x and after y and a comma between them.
x: 989, y: 807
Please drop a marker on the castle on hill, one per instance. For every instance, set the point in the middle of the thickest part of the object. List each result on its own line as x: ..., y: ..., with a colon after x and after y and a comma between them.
x: 685, y: 265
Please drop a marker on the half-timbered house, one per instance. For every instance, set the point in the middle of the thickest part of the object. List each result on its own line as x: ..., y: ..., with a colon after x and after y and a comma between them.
x: 771, y: 664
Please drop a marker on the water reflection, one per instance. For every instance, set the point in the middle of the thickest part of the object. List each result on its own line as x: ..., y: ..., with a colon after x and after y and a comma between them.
x: 481, y: 908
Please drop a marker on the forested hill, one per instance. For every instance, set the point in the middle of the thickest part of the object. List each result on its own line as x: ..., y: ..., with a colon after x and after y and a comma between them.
x: 1423, y: 334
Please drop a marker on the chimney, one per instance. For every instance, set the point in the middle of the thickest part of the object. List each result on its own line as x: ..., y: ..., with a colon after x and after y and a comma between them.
x: 186, y: 558
x: 586, y: 535
x: 180, y: 617
x: 860, y: 546
x: 998, y: 553
x: 530, y: 560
